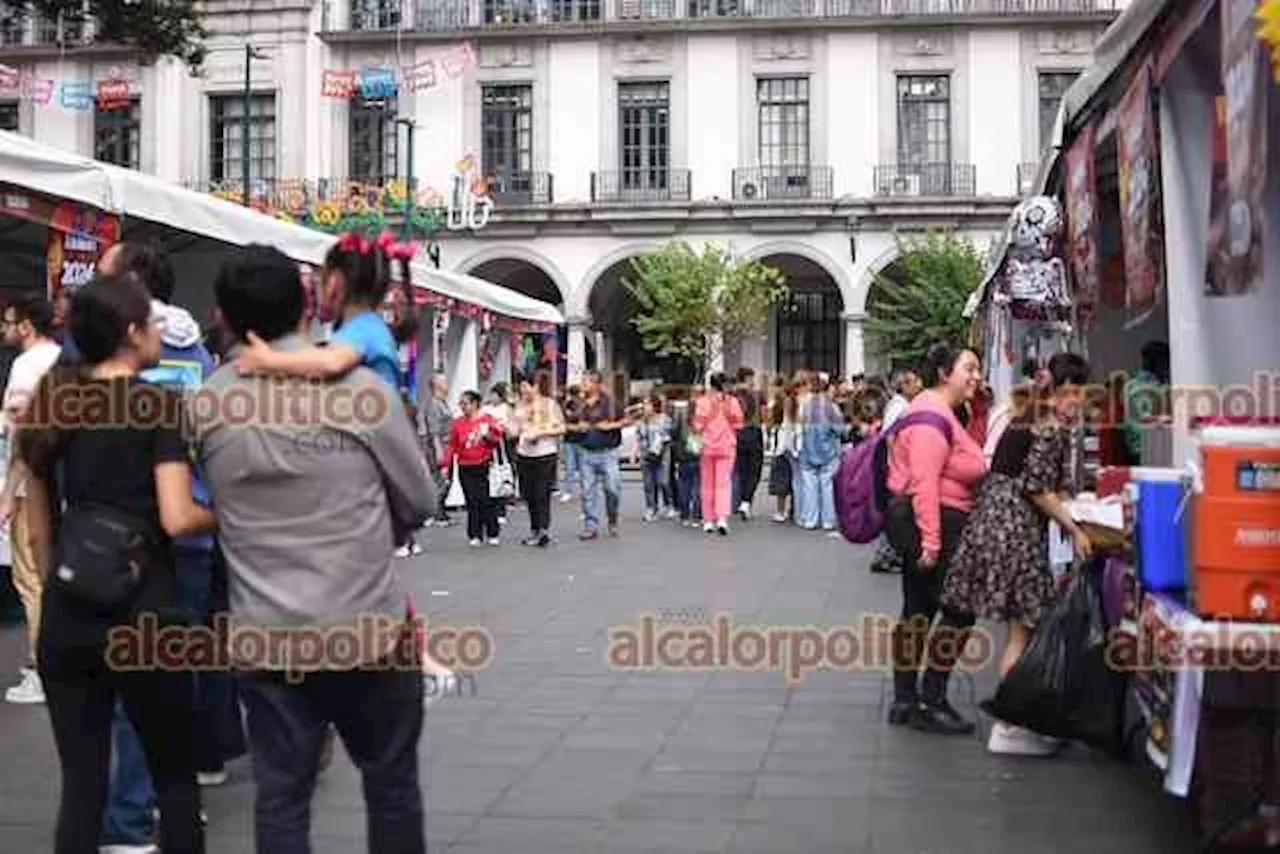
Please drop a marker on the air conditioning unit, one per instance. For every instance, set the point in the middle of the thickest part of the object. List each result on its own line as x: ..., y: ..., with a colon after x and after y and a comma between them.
x: 905, y: 185
x: 1026, y: 183
x: 629, y: 9
x: 750, y: 191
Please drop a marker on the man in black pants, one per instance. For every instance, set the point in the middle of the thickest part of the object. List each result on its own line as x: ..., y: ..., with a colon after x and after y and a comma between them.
x: 317, y: 622
x: 749, y: 462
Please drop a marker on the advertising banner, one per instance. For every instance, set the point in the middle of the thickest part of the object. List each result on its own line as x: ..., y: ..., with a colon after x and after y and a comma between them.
x: 1238, y: 218
x: 1139, y: 199
x: 77, y: 238
x: 1082, y: 222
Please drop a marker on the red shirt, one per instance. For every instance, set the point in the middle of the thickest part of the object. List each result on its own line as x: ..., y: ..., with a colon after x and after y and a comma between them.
x: 469, y: 444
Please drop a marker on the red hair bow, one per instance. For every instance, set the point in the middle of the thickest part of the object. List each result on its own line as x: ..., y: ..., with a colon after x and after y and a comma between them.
x: 394, y: 250
x: 352, y: 242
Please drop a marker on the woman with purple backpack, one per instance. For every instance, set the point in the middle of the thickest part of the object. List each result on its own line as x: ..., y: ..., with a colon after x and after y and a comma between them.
x: 934, y: 468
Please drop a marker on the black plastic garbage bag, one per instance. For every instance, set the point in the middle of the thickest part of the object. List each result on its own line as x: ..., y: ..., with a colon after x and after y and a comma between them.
x: 1062, y: 685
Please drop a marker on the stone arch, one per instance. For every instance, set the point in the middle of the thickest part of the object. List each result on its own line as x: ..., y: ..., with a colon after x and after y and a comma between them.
x: 867, y: 278
x: 578, y: 306
x: 839, y: 275
x: 501, y: 252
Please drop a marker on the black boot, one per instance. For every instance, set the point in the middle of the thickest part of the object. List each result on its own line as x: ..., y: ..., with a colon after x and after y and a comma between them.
x: 934, y: 713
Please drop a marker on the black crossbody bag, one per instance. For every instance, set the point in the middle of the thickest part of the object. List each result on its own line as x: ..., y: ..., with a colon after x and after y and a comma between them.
x: 102, y: 553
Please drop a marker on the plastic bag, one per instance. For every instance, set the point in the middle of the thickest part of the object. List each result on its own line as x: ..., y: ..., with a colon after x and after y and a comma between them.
x: 1062, y: 685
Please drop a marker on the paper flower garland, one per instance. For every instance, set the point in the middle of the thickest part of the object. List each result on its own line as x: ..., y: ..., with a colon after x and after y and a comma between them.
x: 1268, y: 16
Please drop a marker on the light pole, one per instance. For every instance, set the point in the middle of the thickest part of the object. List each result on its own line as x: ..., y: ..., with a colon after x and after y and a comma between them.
x: 250, y: 54
x: 410, y: 195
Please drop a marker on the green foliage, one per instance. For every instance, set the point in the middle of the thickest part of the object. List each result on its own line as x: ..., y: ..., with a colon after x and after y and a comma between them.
x: 919, y: 300
x: 155, y: 27
x: 689, y: 303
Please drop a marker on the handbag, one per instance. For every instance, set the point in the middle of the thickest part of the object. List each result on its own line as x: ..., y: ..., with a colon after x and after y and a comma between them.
x: 502, y: 477
x: 103, y: 555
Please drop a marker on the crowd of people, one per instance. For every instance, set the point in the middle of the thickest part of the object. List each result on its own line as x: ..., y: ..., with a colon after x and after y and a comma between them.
x: 189, y: 515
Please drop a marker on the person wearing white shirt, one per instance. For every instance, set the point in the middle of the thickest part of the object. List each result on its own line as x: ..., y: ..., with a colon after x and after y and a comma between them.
x: 28, y: 325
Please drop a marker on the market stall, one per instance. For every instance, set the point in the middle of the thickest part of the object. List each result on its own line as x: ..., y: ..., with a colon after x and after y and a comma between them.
x: 1171, y: 204
x: 58, y: 211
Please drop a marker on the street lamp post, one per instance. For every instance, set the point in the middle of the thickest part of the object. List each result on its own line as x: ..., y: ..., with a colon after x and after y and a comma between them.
x: 410, y: 195
x: 250, y: 54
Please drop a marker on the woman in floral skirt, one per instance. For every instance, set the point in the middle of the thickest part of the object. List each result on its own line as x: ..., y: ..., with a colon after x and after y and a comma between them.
x: 1000, y: 571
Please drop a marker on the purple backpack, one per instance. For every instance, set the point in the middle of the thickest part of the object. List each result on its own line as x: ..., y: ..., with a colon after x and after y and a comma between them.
x: 861, y: 482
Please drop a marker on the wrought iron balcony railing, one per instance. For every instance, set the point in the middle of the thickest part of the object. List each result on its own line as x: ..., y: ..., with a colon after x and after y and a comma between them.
x: 752, y: 8
x: 521, y: 188
x: 925, y: 8
x: 925, y: 179
x: 641, y: 185
x: 20, y: 28
x: 771, y: 183
x: 443, y: 15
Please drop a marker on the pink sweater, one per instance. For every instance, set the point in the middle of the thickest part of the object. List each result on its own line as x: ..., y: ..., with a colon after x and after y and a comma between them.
x: 922, y: 465
x: 718, y: 418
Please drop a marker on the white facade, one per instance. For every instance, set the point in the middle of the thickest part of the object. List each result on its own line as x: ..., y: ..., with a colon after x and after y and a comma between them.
x: 572, y: 235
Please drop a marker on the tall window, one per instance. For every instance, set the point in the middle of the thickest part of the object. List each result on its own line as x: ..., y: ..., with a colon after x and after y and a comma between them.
x: 117, y: 135
x: 227, y: 128
x: 9, y: 117
x: 783, y: 103
x: 924, y: 119
x: 506, y: 131
x: 372, y: 140
x: 1053, y: 86
x: 644, y: 114
x: 809, y: 331
x: 375, y: 14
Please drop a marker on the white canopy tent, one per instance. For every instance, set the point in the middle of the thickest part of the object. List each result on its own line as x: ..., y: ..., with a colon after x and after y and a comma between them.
x: 135, y: 196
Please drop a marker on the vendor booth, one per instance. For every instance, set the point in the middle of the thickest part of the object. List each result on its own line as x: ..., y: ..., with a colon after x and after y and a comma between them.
x: 1168, y: 193
x: 59, y: 211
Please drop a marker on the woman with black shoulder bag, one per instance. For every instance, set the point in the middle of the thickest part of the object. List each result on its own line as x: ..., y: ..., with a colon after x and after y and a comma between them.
x: 124, y: 490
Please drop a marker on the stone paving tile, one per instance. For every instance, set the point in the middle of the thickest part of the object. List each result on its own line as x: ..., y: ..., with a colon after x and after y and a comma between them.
x: 558, y: 753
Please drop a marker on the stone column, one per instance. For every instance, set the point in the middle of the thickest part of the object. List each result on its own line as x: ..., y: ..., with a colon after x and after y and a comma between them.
x: 855, y: 356
x: 577, y: 346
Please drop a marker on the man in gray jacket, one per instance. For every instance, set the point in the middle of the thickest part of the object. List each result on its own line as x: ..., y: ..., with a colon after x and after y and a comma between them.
x: 438, y: 418
x: 313, y: 485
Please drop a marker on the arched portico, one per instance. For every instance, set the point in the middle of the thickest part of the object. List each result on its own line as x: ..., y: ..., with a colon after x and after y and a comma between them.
x: 522, y: 270
x: 806, y: 329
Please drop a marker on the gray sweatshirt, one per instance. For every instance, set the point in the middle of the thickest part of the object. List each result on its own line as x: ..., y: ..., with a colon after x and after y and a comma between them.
x: 310, y: 510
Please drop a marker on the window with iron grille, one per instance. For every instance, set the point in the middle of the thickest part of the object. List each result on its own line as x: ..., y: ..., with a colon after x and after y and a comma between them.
x: 375, y: 14
x: 117, y: 135
x: 924, y: 119
x: 1053, y: 86
x: 227, y: 128
x: 506, y: 135
x: 783, y: 104
x: 575, y: 10
x: 644, y: 116
x: 809, y: 331
x: 9, y: 117
x: 13, y: 24
x: 372, y: 139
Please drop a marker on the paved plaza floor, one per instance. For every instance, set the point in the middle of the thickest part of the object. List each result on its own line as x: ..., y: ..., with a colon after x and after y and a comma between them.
x: 559, y: 752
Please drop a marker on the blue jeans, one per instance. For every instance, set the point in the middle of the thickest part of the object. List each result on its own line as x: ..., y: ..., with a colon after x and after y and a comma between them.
x: 817, y: 504
x: 656, y: 493
x: 600, y: 469
x: 572, y: 454
x: 688, y: 489
x: 129, y: 818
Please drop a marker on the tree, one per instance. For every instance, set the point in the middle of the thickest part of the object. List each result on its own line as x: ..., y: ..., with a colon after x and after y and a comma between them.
x: 689, y: 304
x: 155, y: 27
x: 919, y: 300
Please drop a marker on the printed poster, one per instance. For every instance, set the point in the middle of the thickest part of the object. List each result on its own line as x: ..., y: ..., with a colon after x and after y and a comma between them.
x: 77, y: 238
x: 1082, y: 222
x: 1236, y: 236
x: 1139, y: 200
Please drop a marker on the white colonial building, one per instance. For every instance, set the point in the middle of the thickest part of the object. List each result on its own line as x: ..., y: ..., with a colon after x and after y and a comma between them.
x: 811, y: 133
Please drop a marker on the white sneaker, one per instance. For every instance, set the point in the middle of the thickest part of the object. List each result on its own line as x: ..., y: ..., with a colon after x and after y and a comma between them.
x: 416, y: 549
x: 708, y: 527
x: 1009, y: 740
x: 475, y: 544
x: 672, y: 513
x: 129, y: 849
x: 723, y: 527
x: 649, y: 516
x: 502, y: 520
x: 745, y: 509
x: 494, y: 541
x: 211, y: 778
x: 403, y: 551
x: 566, y: 497
x: 438, y: 685
x: 28, y: 692
x: 780, y: 518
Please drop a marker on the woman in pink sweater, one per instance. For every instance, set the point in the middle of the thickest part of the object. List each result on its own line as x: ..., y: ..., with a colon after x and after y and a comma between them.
x: 934, y: 470
x: 717, y: 418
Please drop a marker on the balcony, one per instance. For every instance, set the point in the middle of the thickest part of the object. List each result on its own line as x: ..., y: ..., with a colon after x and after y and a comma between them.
x: 441, y: 16
x: 908, y: 180
x: 640, y: 186
x: 521, y: 189
x: 19, y: 28
x: 774, y: 183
